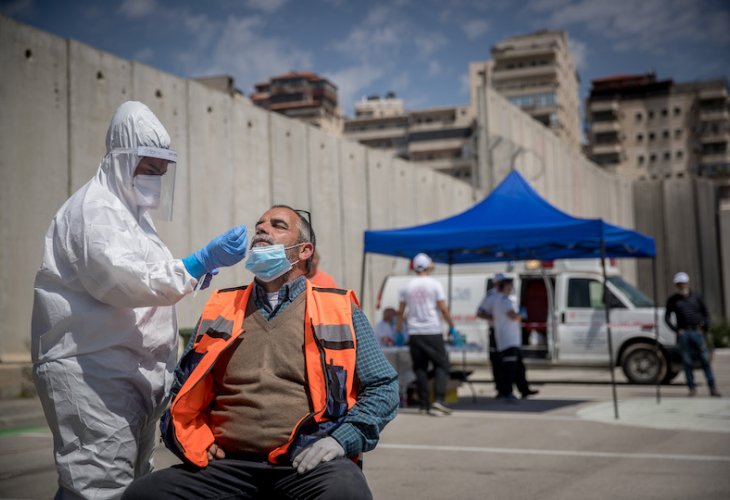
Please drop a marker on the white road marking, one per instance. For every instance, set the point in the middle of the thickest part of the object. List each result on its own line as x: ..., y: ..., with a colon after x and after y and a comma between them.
x: 562, y: 453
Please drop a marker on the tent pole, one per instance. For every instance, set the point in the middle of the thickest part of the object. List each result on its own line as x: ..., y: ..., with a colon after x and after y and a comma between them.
x: 656, y: 330
x: 450, y: 279
x: 606, y: 308
x: 362, y: 277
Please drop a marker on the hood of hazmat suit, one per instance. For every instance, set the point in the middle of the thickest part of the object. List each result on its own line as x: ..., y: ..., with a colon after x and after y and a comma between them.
x: 107, y: 280
x: 104, y: 330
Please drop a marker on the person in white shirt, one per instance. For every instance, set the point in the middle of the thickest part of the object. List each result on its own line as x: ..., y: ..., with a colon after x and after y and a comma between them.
x: 508, y: 337
x: 484, y: 311
x: 424, y: 301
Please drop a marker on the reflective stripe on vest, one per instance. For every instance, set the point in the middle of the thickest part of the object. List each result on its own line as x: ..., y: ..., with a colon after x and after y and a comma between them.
x: 329, y: 347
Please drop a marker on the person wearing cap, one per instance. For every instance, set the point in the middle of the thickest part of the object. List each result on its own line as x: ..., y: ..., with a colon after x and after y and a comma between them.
x: 508, y: 336
x: 690, y: 320
x: 104, y: 333
x: 484, y: 311
x: 423, y: 299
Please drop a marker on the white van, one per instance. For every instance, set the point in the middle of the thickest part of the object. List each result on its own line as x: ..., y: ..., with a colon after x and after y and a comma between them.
x: 575, y: 332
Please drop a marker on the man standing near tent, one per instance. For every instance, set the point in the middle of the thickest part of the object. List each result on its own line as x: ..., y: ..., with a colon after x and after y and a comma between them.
x: 691, y: 318
x: 485, y: 312
x: 423, y: 299
x: 509, y: 341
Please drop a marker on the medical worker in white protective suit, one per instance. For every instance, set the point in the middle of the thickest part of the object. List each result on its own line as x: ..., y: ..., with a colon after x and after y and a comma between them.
x: 104, y: 331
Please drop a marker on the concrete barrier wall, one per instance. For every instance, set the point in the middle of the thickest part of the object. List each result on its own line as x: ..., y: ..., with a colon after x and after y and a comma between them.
x: 681, y: 214
x: 235, y: 160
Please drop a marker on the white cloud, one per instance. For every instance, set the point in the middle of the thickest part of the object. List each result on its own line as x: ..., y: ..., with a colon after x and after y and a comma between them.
x: 351, y: 83
x: 580, y: 52
x: 434, y: 68
x: 430, y: 43
x: 144, y: 55
x: 649, y: 25
x: 475, y: 28
x: 134, y: 9
x: 240, y: 49
x: 267, y: 6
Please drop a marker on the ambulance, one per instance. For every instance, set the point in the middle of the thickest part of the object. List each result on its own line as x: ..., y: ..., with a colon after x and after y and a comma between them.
x: 566, y: 320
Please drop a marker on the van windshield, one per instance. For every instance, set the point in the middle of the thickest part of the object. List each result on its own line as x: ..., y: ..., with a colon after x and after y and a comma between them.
x: 635, y: 296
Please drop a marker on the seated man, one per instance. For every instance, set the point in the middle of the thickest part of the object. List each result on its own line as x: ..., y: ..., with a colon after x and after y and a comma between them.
x: 283, y: 388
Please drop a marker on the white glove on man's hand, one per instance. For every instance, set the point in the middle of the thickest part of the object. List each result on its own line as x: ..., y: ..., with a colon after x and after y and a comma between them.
x: 320, y: 451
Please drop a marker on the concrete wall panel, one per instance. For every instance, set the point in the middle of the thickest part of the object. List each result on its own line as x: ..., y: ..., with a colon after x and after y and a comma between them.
x: 354, y: 198
x: 99, y: 83
x: 212, y: 177
x: 33, y: 168
x: 679, y: 227
x: 289, y: 162
x: 251, y: 169
x: 708, y: 244
x: 324, y: 188
x: 166, y: 97
x: 724, y: 236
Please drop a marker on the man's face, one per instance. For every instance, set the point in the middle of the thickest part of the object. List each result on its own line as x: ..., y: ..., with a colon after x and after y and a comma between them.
x: 151, y: 166
x: 683, y: 288
x: 507, y: 287
x: 278, y: 226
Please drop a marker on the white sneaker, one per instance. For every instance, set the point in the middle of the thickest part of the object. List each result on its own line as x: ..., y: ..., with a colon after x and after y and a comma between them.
x: 440, y: 407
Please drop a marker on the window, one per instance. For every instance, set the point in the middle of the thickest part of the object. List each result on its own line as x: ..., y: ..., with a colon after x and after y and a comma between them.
x: 640, y: 159
x: 678, y: 133
x: 652, y: 158
x: 651, y: 115
x: 679, y: 154
x: 585, y: 293
x: 534, y: 100
x: 651, y: 136
x: 634, y: 295
x: 664, y: 112
x: 638, y: 117
x: 667, y: 155
x: 639, y: 137
x: 677, y: 111
x: 665, y: 134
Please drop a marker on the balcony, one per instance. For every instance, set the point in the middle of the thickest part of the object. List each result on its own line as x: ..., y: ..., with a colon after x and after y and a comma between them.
x: 374, y: 134
x: 713, y: 114
x: 606, y: 149
x: 502, y: 75
x: 598, y: 127
x: 608, y: 105
x: 437, y: 145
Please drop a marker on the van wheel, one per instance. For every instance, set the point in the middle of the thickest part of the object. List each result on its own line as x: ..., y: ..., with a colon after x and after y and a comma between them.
x: 670, y: 375
x: 641, y: 366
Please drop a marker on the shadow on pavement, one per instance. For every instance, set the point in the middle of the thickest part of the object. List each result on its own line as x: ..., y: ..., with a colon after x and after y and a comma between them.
x: 523, y: 405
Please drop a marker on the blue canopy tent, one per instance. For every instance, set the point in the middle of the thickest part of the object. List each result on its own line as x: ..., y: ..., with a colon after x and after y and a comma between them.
x: 514, y: 223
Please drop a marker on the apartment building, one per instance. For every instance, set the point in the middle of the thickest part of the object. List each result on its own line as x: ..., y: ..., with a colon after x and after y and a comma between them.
x: 303, y: 95
x: 645, y: 128
x: 537, y: 73
x: 439, y: 138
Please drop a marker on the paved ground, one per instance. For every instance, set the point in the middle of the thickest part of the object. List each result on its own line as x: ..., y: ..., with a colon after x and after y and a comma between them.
x: 564, y: 444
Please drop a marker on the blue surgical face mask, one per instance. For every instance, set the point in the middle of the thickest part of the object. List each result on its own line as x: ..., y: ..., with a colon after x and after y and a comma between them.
x: 269, y: 262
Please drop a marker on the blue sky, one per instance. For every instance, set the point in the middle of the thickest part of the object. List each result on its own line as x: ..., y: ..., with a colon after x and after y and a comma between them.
x: 420, y: 49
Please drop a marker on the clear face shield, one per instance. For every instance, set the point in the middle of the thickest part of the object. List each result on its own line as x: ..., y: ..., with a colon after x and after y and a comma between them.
x: 154, y: 180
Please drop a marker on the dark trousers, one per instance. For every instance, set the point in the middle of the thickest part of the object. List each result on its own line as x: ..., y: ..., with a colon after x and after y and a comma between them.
x: 513, y: 370
x: 495, y: 360
x: 425, y: 349
x: 229, y: 478
x: 690, y: 342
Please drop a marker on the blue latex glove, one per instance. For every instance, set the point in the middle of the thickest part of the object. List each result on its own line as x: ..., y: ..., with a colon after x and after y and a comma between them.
x: 225, y: 250
x: 456, y: 338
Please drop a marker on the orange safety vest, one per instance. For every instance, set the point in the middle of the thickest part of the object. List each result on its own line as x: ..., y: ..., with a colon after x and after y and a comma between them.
x: 329, y: 346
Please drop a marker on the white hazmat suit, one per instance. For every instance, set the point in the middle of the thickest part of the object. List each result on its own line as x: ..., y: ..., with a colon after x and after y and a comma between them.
x: 104, y: 330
